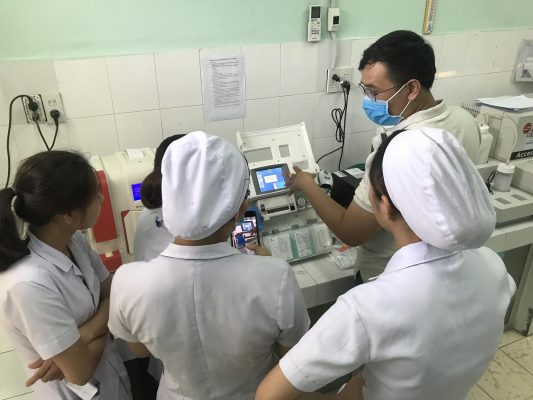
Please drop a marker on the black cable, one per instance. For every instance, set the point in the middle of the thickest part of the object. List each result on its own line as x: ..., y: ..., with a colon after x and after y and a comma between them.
x: 42, y: 136
x: 339, y: 118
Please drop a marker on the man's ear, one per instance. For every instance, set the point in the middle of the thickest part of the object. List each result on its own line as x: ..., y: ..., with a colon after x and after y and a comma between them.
x: 414, y: 87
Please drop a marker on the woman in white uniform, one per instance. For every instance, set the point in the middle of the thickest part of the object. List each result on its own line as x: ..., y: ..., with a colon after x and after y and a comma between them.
x: 151, y: 236
x: 428, y: 327
x: 215, y: 317
x: 54, y: 290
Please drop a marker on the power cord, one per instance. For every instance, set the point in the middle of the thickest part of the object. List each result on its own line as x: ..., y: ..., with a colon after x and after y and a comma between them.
x: 339, y: 118
x: 33, y: 106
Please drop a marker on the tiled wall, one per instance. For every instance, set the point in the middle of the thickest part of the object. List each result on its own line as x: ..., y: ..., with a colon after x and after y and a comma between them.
x: 134, y: 101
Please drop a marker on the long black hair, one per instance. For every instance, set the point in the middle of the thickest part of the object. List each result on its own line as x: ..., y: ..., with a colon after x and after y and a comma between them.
x: 151, y: 185
x: 46, y: 184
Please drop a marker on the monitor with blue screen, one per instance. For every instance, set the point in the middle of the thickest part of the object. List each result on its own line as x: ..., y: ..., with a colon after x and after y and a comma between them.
x: 270, y: 179
x: 136, y: 191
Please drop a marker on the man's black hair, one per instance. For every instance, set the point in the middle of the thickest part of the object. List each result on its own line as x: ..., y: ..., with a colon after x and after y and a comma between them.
x: 406, y: 56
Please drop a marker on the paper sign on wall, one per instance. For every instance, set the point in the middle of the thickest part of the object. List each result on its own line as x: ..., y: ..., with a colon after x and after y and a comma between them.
x: 223, y: 87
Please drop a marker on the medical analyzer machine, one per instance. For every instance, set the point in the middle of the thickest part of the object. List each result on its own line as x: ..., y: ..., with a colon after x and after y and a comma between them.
x: 292, y: 230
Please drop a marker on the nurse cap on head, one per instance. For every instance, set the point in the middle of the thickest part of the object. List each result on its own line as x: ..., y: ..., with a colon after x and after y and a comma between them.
x: 204, y: 182
x: 438, y: 190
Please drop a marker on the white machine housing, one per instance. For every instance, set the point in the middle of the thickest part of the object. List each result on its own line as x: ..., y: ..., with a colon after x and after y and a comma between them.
x: 292, y: 229
x: 123, y: 171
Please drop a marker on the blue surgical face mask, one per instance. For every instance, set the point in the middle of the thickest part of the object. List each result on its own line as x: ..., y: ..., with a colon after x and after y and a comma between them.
x: 378, y: 110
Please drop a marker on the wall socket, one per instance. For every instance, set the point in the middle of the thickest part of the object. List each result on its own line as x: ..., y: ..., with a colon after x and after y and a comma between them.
x: 47, y: 102
x: 344, y: 73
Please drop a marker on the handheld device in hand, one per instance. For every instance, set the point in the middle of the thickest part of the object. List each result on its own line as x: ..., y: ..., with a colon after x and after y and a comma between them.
x: 246, y: 232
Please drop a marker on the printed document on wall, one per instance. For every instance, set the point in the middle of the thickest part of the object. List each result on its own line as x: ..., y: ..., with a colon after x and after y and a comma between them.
x: 223, y: 87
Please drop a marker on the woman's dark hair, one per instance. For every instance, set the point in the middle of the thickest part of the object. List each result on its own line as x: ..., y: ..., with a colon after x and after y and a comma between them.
x: 406, y: 55
x: 151, y: 185
x: 46, y: 184
x: 375, y: 175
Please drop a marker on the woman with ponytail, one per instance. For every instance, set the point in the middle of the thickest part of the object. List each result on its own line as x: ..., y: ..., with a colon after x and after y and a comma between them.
x: 54, y: 289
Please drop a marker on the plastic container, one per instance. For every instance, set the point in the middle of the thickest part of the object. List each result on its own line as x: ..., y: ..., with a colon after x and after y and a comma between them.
x: 503, y: 177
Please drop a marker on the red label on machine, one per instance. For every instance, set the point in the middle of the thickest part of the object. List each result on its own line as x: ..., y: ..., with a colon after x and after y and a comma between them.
x: 104, y: 229
x: 527, y: 128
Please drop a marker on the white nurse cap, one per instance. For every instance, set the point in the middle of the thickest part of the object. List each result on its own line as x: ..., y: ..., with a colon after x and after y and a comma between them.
x: 205, y: 179
x: 438, y: 190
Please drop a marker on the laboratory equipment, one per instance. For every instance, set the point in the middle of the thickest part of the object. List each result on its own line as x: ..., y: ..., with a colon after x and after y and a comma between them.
x: 292, y: 229
x: 503, y: 177
x: 120, y: 176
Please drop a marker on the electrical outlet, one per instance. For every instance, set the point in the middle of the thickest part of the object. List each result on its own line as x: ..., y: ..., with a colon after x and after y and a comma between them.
x: 40, y: 111
x: 52, y: 101
x: 344, y: 74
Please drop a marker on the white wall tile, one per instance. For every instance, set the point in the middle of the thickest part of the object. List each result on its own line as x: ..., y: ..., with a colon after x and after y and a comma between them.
x: 357, y: 148
x: 140, y: 129
x: 262, y: 65
x: 29, y: 141
x: 133, y: 83
x: 4, y: 108
x: 12, y: 375
x: 84, y: 87
x: 453, y: 55
x: 94, y: 135
x: 450, y: 90
x: 299, y: 66
x: 182, y: 120
x: 358, y: 47
x: 178, y: 78
x: 26, y: 77
x: 261, y: 114
x: 325, y: 50
x: 220, y: 52
x: 436, y: 42
x: 296, y: 109
x: 322, y: 146
x: 226, y: 129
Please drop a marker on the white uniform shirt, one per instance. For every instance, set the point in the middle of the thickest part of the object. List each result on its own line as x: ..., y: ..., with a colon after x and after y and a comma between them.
x: 211, y: 314
x: 151, y: 236
x: 44, y: 297
x: 374, y: 255
x: 427, y: 328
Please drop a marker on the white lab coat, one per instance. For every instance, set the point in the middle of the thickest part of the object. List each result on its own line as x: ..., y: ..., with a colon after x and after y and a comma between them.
x: 44, y: 297
x: 427, y: 328
x: 211, y: 314
x: 151, y: 237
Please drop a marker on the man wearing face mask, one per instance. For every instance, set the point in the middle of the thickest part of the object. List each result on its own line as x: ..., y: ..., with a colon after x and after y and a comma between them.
x: 397, y: 73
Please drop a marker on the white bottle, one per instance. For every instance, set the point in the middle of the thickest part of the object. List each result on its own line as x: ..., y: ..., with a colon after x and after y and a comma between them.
x: 503, y: 177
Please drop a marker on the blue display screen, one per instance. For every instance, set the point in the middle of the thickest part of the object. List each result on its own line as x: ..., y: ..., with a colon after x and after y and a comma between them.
x: 270, y: 179
x: 136, y: 191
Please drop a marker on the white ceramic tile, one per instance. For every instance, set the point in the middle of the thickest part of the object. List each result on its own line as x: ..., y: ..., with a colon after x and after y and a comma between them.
x: 220, y: 52
x: 358, y: 47
x: 12, y: 376
x: 262, y: 65
x: 506, y: 380
x: 357, y: 148
x: 226, y: 129
x: 436, y: 42
x: 521, y: 351
x: 133, y: 83
x: 478, y: 394
x: 26, y: 77
x: 84, y: 87
x: 493, y: 51
x: 5, y: 340
x: 453, y: 55
x: 296, y: 109
x: 510, y: 336
x: 182, y: 120
x: 488, y: 85
x: 450, y: 90
x: 4, y: 109
x: 321, y: 146
x: 94, y: 135
x: 140, y: 129
x: 299, y: 65
x: 29, y: 141
x: 325, y: 51
x: 178, y: 78
x: 261, y: 114
x: 357, y: 121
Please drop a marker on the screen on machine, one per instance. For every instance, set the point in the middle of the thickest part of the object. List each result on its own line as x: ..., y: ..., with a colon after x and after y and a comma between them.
x: 136, y: 191
x: 270, y: 179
